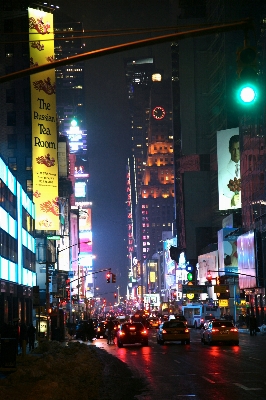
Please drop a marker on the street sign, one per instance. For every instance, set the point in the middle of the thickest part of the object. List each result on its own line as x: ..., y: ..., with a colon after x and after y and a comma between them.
x: 54, y: 237
x: 221, y: 288
x: 194, y: 289
x: 223, y: 303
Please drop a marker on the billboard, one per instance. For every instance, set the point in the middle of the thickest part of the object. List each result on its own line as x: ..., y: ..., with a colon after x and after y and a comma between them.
x: 229, y: 177
x: 43, y: 114
x: 246, y: 260
x: 228, y: 251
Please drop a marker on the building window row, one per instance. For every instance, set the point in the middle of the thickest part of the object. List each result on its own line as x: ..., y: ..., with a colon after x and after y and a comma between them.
x: 8, y: 200
x: 8, y: 247
x: 27, y: 221
x: 28, y: 259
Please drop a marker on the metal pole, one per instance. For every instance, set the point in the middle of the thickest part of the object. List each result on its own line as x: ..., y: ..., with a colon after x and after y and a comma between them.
x: 47, y: 296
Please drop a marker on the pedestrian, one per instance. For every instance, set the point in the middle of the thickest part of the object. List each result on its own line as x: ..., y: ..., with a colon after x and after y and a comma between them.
x: 255, y: 325
x: 23, y: 335
x: 31, y: 336
x: 252, y: 325
x: 110, y: 326
x: 91, y: 331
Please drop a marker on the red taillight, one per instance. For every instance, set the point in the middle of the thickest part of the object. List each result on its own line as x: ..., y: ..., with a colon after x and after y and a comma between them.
x: 215, y: 330
x: 233, y: 330
x: 144, y: 332
x: 121, y: 333
x: 186, y: 330
x: 132, y: 328
x: 164, y: 331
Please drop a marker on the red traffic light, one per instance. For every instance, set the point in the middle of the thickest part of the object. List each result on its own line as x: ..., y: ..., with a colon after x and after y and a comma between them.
x: 108, y: 277
x: 209, y: 276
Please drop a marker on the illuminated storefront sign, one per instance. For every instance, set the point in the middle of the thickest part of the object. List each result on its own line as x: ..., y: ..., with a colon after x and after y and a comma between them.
x: 44, y: 132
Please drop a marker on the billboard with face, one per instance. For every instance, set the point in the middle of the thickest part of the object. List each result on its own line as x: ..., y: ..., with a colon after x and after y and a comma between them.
x: 229, y: 177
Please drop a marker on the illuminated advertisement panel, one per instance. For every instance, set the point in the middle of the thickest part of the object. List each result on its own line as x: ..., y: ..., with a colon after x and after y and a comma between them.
x: 228, y: 253
x: 85, y: 235
x: 169, y: 264
x: 80, y: 189
x: 77, y: 138
x: 246, y: 260
x: 43, y: 111
x: 229, y: 177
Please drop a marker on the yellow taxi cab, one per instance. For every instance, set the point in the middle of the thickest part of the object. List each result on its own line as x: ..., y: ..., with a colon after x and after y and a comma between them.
x: 220, y: 331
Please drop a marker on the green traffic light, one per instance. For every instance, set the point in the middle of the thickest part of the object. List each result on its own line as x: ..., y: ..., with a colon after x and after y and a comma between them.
x: 189, y: 276
x: 247, y: 94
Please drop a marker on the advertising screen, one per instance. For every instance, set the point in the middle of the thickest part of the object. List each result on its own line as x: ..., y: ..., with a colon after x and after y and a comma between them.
x: 246, y: 260
x: 228, y: 255
x: 229, y: 177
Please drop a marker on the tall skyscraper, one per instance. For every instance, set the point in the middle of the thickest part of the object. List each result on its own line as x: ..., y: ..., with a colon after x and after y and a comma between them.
x: 155, y: 207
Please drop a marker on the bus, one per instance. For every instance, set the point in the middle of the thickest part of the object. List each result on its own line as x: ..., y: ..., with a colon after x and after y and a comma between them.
x: 197, y: 314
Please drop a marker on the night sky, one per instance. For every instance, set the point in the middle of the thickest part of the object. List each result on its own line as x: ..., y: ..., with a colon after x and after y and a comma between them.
x: 108, y: 122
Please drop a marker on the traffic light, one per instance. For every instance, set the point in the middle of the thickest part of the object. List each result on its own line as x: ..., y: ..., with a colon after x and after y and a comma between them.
x: 190, y: 276
x: 209, y: 277
x: 108, y: 277
x: 113, y: 278
x: 247, y: 71
x: 115, y: 295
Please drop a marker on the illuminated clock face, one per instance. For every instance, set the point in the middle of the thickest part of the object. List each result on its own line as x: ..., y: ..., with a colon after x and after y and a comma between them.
x: 158, y: 112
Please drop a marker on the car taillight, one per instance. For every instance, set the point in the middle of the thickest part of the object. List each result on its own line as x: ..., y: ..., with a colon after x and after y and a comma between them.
x: 132, y: 328
x: 144, y: 332
x: 164, y: 331
x: 186, y: 330
x: 215, y: 330
x: 121, y: 333
x: 233, y: 330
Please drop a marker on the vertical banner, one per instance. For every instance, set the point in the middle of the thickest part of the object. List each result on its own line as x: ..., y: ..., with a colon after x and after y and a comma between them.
x: 44, y: 132
x: 229, y: 177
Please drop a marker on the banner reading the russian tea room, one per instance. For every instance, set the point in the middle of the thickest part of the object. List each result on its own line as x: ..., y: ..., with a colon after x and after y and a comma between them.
x: 44, y: 133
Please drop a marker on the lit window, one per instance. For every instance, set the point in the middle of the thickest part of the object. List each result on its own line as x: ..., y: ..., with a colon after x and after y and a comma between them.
x: 144, y: 250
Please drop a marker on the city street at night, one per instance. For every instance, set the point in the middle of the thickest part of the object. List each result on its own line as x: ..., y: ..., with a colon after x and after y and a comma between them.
x: 221, y: 372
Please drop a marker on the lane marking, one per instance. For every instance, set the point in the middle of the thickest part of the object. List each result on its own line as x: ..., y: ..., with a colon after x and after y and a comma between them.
x: 207, y: 379
x: 246, y: 388
x: 179, y: 362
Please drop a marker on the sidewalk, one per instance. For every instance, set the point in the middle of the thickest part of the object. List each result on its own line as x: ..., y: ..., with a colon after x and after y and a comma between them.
x: 262, y: 330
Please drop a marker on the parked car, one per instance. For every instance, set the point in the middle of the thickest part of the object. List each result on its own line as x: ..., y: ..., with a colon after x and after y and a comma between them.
x: 173, y: 331
x: 101, y: 330
x: 132, y: 333
x: 218, y: 331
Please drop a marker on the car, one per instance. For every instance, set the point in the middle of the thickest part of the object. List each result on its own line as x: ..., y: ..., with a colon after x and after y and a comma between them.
x: 178, y: 317
x: 154, y: 322
x: 173, y: 331
x: 218, y: 331
x: 101, y: 330
x: 132, y: 333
